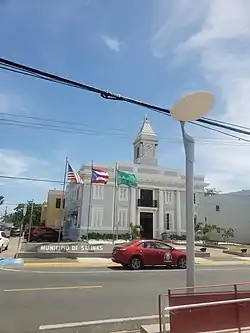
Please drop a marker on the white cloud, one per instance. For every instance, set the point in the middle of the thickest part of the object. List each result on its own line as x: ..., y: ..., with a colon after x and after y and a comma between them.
x: 221, y: 41
x: 14, y: 163
x: 113, y: 43
x: 12, y: 103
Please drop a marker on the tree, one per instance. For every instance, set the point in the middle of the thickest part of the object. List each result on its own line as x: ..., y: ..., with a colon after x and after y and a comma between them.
x: 227, y: 233
x: 18, y: 217
x: 1, y: 199
x: 135, y: 231
x: 210, y: 191
x: 202, y: 231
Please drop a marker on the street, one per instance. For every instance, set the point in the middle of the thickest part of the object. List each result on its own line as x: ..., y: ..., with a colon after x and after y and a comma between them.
x: 30, y: 298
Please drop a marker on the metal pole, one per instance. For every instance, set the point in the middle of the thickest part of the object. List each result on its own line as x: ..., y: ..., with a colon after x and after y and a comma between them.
x: 31, y: 219
x: 90, y: 201
x: 63, y: 199
x: 114, y: 205
x: 190, y: 235
x: 21, y: 230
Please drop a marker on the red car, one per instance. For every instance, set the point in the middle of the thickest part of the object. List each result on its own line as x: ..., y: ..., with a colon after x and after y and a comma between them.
x: 140, y: 253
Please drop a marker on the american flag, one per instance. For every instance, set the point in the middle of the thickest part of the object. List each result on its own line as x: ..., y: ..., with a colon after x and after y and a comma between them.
x: 99, y: 176
x: 73, y: 175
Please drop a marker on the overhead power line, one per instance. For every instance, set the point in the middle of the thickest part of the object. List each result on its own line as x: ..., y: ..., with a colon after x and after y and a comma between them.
x: 124, y: 135
x: 26, y: 70
x: 107, y: 185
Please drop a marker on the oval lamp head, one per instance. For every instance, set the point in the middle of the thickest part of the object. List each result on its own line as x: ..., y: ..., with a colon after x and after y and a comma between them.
x: 193, y: 106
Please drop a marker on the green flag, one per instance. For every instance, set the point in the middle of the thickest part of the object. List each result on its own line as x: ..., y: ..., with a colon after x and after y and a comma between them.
x: 126, y: 178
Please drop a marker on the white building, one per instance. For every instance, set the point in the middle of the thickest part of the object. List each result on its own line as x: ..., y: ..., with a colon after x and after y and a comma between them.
x: 229, y: 210
x: 158, y: 204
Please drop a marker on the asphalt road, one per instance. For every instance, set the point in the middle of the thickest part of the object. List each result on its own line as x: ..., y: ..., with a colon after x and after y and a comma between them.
x: 30, y: 298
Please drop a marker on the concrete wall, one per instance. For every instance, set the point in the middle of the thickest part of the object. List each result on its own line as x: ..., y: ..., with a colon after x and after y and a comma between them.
x: 234, y: 212
x: 54, y: 216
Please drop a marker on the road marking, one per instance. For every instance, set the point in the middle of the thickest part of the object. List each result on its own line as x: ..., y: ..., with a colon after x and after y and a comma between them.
x: 52, y: 288
x: 97, y: 322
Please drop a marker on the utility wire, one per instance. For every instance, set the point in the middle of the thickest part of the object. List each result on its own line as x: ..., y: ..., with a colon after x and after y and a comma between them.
x: 26, y: 70
x: 32, y: 179
x: 107, y: 185
x: 92, y: 132
x: 222, y: 132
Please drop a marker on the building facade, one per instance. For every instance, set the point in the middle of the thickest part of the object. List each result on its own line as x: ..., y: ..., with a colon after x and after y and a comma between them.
x: 157, y: 204
x: 52, y: 213
x: 228, y: 210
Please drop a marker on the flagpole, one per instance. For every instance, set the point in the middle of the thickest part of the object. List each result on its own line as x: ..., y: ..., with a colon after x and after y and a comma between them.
x: 114, y: 203
x: 63, y: 197
x: 90, y: 201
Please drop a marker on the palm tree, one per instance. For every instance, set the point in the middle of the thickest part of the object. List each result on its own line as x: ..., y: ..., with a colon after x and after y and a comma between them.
x: 203, y: 230
x: 227, y: 233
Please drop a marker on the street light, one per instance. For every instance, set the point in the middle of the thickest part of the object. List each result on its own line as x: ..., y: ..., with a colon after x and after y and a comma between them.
x: 190, y: 108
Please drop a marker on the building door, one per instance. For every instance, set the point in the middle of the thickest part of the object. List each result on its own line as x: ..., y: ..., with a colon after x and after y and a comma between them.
x: 146, y: 223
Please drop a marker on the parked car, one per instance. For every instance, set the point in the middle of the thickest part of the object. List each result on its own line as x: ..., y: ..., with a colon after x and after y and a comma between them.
x: 139, y: 253
x: 4, y: 241
x: 15, y: 232
x: 42, y: 234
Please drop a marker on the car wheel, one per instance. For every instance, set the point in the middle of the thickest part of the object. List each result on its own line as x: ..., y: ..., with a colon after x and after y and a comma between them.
x: 135, y: 263
x: 182, y: 263
x: 6, y: 248
x: 1, y: 248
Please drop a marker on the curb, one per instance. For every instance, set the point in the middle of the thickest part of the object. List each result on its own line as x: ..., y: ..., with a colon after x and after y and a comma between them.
x: 106, y: 325
x: 75, y: 264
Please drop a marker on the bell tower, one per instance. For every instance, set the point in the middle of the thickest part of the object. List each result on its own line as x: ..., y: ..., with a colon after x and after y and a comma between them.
x: 146, y: 145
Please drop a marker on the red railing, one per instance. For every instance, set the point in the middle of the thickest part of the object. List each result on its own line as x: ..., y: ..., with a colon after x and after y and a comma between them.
x: 206, y: 308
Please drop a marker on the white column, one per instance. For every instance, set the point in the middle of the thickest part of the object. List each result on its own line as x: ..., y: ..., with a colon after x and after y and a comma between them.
x: 161, y: 213
x: 133, y: 203
x: 178, y: 213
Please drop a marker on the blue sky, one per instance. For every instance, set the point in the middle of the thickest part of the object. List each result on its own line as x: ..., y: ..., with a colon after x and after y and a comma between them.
x: 155, y: 51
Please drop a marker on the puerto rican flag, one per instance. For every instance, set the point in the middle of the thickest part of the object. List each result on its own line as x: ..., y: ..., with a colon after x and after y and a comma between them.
x: 99, y: 176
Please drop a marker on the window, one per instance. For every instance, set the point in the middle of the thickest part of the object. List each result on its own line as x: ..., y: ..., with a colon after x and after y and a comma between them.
x: 162, y: 246
x: 123, y: 218
x: 97, y: 217
x: 147, y: 245
x: 168, y: 197
x: 168, y: 221
x: 196, y: 199
x: 205, y: 219
x: 63, y: 203
x: 98, y: 192
x: 217, y: 208
x: 146, y: 198
x: 123, y: 193
x: 137, y: 152
x: 58, y: 203
x: 77, y: 193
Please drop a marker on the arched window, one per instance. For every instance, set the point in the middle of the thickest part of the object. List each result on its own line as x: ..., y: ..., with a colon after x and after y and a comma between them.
x: 137, y: 152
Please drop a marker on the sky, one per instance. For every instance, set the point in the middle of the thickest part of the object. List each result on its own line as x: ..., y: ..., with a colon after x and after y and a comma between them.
x: 154, y: 51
